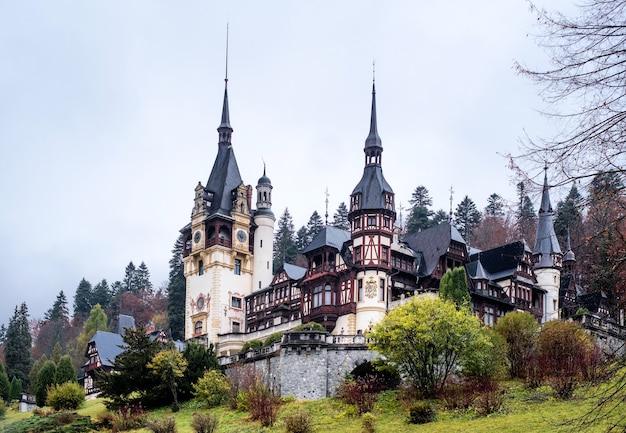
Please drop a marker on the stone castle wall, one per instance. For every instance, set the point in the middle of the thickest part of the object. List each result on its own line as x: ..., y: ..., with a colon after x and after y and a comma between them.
x: 307, y: 365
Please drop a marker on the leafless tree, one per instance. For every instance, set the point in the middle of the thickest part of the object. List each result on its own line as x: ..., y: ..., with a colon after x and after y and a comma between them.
x: 585, y: 88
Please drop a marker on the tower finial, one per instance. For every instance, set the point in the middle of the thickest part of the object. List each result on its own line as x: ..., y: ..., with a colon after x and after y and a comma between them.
x: 374, y: 71
x: 226, y: 72
x: 327, y: 205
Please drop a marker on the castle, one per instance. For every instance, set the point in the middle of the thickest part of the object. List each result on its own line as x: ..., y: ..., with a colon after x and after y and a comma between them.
x: 352, y: 277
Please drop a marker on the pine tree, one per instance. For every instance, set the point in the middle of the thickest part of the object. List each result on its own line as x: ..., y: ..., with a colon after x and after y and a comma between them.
x: 65, y: 371
x: 17, y: 347
x: 314, y: 226
x: 3, y: 333
x: 453, y: 287
x: 526, y: 216
x: 421, y: 197
x: 5, y: 385
x: 34, y: 371
x: 340, y: 218
x: 142, y: 279
x: 439, y: 217
x: 284, y: 241
x: 56, y: 353
x: 495, y: 206
x: 45, y: 379
x: 59, y: 311
x: 15, y: 390
x: 128, y: 283
x: 102, y: 294
x: 466, y: 218
x: 419, y: 212
x: 569, y: 216
x: 302, y: 239
x: 176, y: 288
x: 83, y: 298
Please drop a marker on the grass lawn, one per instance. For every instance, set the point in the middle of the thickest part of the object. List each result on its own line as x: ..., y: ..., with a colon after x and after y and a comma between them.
x: 524, y: 411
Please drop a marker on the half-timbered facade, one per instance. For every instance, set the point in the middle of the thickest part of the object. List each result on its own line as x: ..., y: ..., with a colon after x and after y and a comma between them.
x: 353, y: 277
x: 501, y: 280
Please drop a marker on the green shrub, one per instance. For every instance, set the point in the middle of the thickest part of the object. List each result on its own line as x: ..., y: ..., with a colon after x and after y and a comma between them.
x: 162, y: 425
x: 204, y: 423
x: 421, y: 413
x: 212, y: 388
x: 369, y: 423
x: 251, y: 345
x: 3, y: 409
x: 299, y: 422
x: 69, y: 395
x: 310, y: 326
x: 276, y: 337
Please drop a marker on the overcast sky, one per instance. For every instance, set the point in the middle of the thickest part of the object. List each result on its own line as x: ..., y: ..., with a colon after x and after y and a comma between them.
x: 109, y: 110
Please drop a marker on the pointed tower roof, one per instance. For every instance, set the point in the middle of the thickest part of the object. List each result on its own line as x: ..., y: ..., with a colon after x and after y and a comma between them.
x: 373, y: 187
x: 546, y: 242
x: 569, y: 254
x: 224, y: 177
x: 373, y: 139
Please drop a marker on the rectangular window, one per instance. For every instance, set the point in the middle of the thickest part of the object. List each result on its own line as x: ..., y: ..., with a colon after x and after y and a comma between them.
x: 386, y: 222
x: 381, y: 290
x: 360, y: 290
x: 328, y: 295
x: 236, y: 327
x: 385, y: 254
x: 317, y: 296
x: 371, y: 220
x: 357, y: 255
x: 235, y: 302
x: 237, y: 267
x: 261, y: 243
x: 357, y: 223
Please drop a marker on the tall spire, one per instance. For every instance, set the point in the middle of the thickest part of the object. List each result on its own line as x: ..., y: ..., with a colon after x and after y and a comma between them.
x: 373, y: 139
x: 373, y: 144
x: 225, y: 130
x: 547, y: 252
x: 546, y: 206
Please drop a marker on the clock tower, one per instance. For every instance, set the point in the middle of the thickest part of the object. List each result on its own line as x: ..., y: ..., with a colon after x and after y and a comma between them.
x: 217, y: 255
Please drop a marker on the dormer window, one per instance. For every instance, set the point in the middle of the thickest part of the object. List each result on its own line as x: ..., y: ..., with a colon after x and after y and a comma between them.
x: 389, y: 201
x: 356, y: 202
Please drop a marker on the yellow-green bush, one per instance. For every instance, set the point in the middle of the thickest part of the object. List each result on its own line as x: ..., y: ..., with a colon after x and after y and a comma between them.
x: 212, y: 388
x: 69, y: 395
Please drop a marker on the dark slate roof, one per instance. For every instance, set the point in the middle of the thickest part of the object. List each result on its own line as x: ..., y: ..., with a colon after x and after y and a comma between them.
x: 264, y: 180
x: 433, y: 243
x: 329, y: 236
x: 294, y: 272
x: 546, y: 242
x: 502, y: 260
x: 592, y: 301
x: 124, y: 321
x: 223, y: 180
x: 372, y: 188
x: 108, y: 345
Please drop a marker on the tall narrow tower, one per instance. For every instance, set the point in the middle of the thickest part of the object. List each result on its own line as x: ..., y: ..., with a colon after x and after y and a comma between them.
x: 547, y: 256
x: 264, y: 234
x: 217, y: 256
x: 372, y: 218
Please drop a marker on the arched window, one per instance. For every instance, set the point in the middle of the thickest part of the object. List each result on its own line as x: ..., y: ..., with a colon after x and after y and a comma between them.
x: 328, y: 295
x: 200, y: 267
x: 198, y: 327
